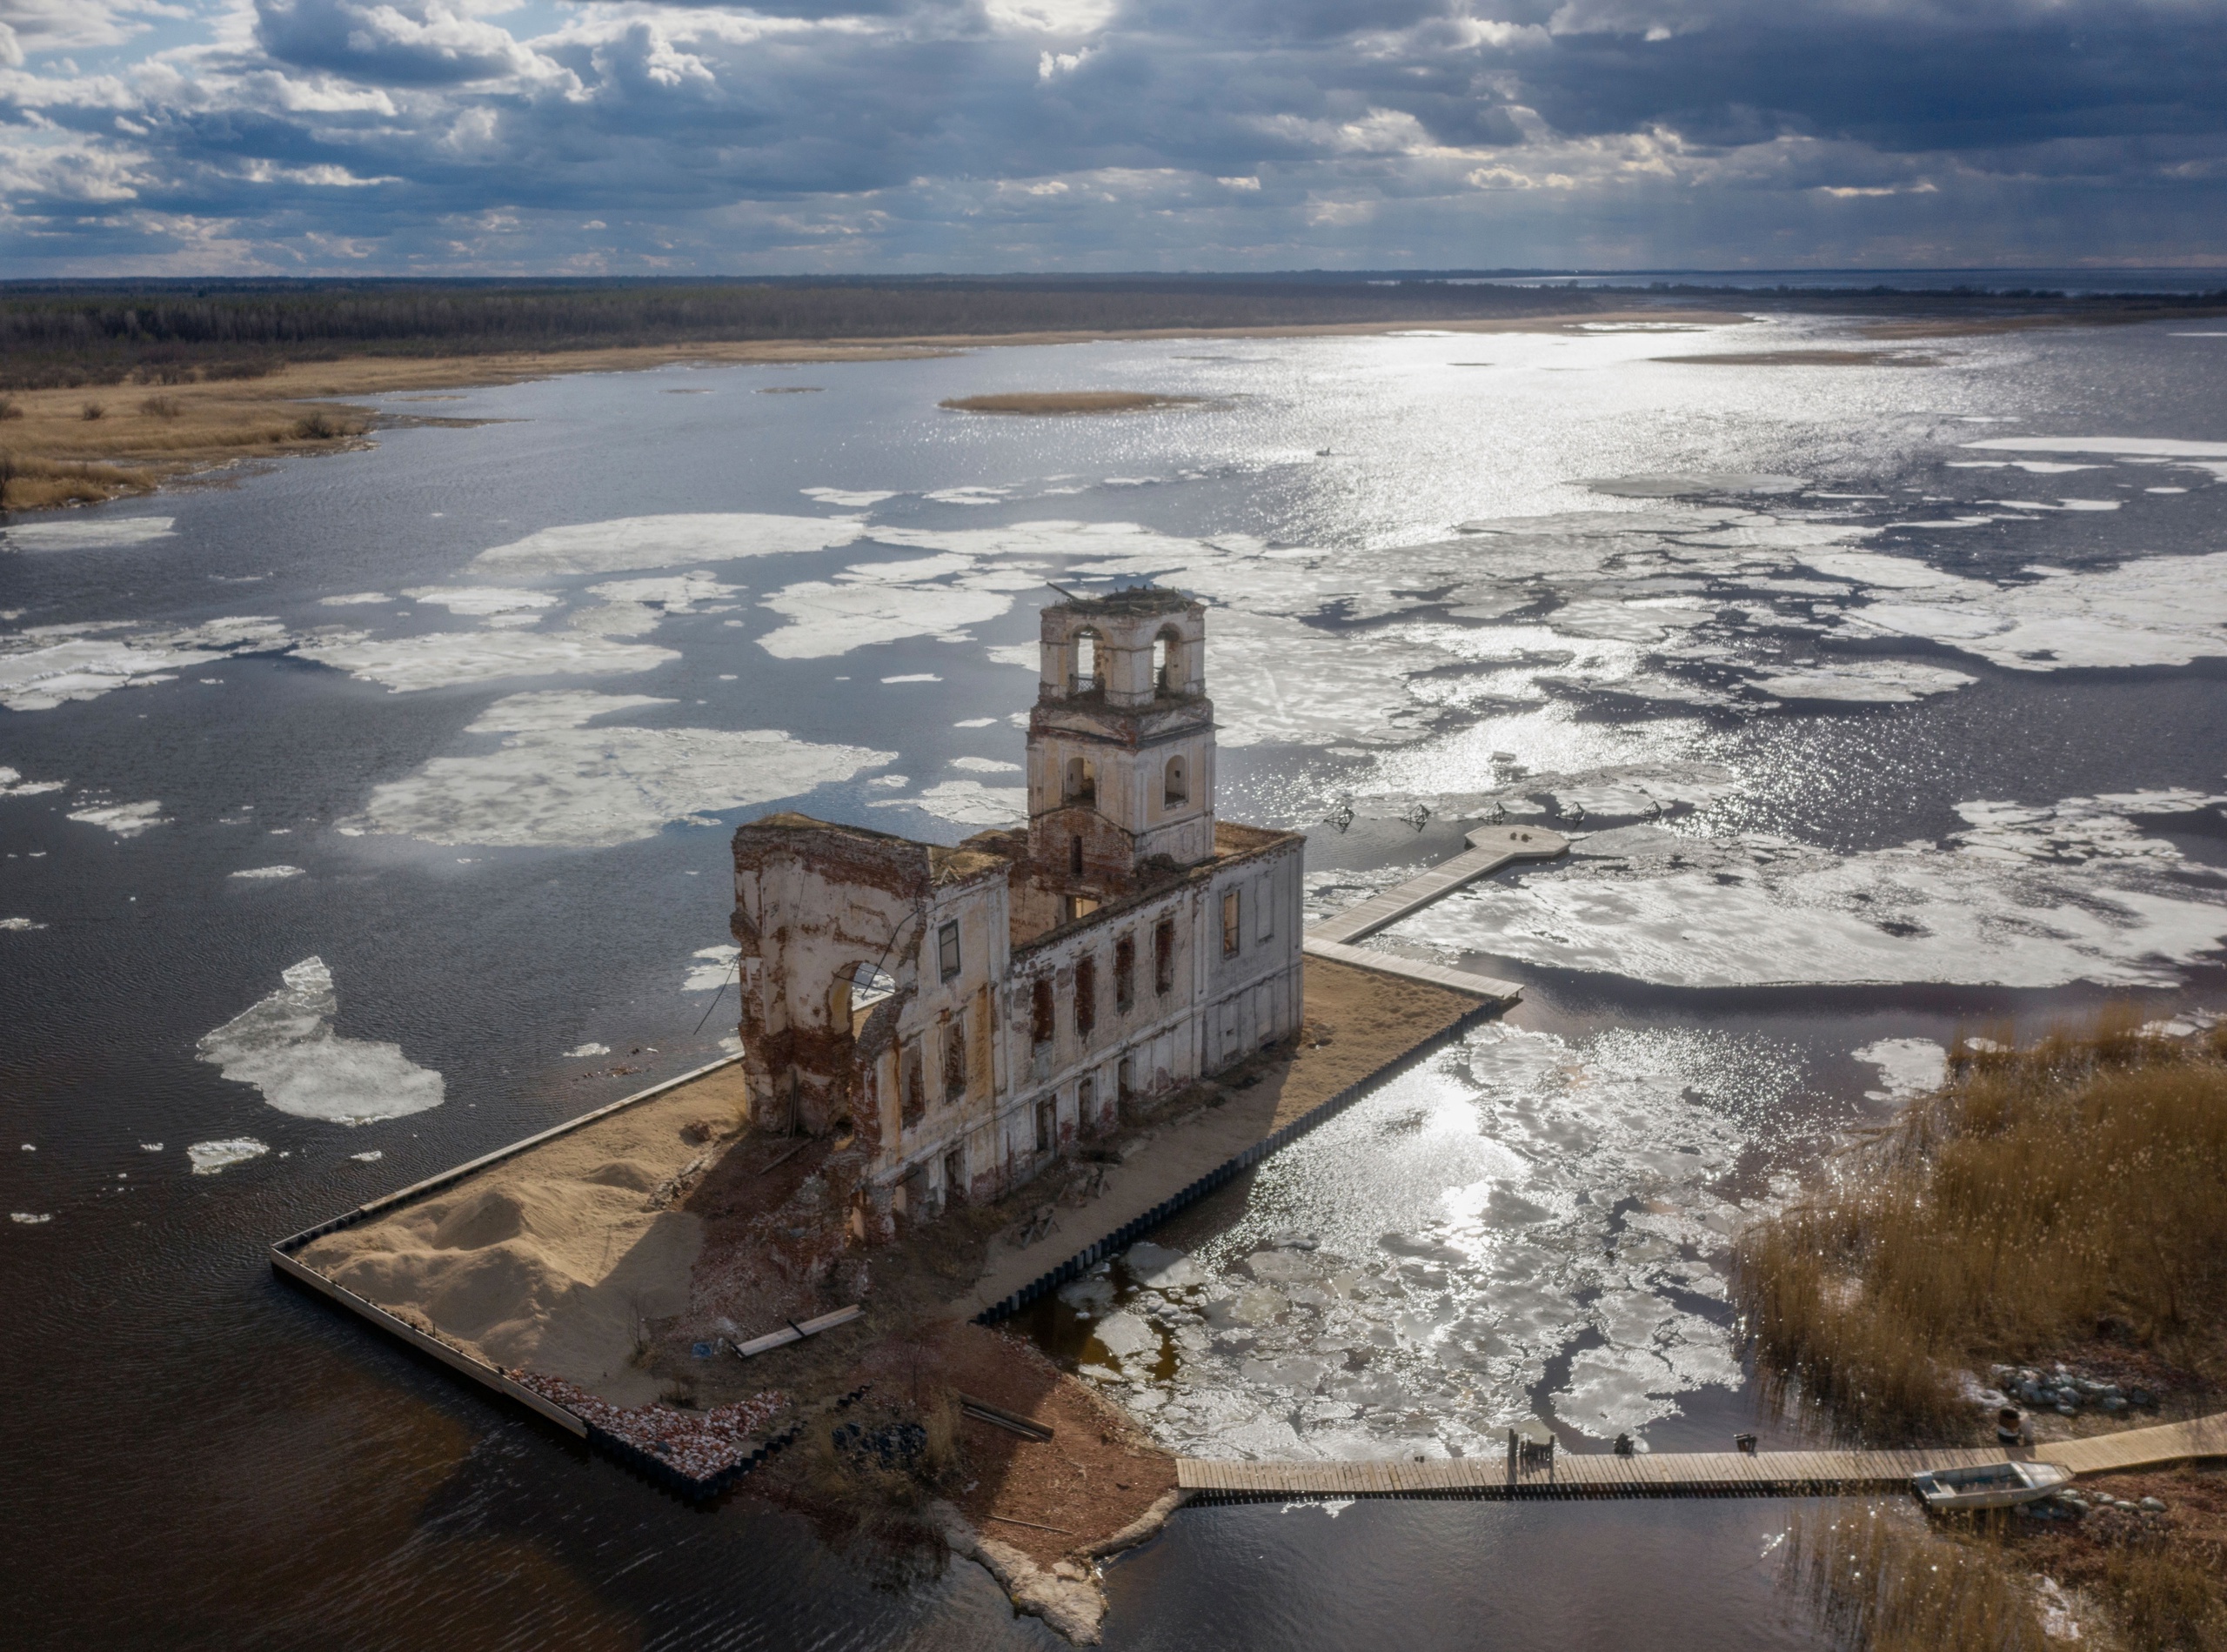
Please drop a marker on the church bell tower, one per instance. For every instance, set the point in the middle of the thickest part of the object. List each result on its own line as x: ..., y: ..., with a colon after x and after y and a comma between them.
x: 1120, y: 744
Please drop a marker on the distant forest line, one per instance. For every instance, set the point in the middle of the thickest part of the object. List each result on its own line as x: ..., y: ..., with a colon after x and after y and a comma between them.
x: 61, y: 335
x: 158, y: 332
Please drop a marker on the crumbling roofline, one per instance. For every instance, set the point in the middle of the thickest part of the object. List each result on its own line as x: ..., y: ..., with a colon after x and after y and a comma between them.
x: 1181, y: 879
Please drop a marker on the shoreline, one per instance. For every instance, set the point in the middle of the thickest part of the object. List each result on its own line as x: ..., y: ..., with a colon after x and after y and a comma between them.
x: 151, y: 436
x: 437, y: 1263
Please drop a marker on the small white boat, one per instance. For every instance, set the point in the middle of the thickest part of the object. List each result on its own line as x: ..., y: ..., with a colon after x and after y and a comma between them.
x: 1994, y: 1485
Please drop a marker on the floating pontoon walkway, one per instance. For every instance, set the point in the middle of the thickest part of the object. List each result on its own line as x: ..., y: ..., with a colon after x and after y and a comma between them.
x: 1726, y: 1474
x: 1490, y: 848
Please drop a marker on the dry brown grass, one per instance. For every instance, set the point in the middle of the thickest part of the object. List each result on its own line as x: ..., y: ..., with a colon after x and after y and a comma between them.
x: 2041, y: 1191
x: 1878, y: 1579
x: 1052, y: 403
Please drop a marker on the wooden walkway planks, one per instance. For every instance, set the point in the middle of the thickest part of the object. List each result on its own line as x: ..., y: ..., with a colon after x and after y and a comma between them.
x: 1415, y: 969
x: 1490, y: 848
x: 1683, y: 1475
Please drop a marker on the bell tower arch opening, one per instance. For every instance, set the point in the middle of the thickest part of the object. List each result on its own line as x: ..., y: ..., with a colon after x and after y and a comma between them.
x: 1121, y: 742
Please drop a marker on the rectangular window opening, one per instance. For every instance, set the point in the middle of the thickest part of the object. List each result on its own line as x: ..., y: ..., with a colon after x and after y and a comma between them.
x: 954, y: 1059
x: 914, y: 1090
x: 948, y: 951
x: 1264, y: 910
x: 1040, y: 1011
x: 1163, y: 957
x: 1125, y: 973
x: 1233, y: 929
x: 954, y: 1175
x: 1085, y: 996
x: 1047, y: 1125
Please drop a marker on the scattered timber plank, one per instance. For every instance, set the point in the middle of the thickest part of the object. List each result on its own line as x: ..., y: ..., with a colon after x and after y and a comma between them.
x: 983, y: 1411
x: 797, y: 1331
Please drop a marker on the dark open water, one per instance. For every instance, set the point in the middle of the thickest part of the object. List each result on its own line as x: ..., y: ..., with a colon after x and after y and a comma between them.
x: 2006, y: 804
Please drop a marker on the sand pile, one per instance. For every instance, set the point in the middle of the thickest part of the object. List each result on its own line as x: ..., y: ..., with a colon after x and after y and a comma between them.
x: 557, y: 1259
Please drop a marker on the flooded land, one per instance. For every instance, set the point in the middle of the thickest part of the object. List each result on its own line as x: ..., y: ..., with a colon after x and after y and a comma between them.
x: 366, y: 809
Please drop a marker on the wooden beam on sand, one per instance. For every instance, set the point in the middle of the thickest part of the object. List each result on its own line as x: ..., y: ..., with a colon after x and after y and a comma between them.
x: 796, y: 1331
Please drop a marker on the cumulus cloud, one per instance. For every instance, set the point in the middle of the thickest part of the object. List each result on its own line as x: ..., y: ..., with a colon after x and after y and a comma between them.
x: 414, y: 134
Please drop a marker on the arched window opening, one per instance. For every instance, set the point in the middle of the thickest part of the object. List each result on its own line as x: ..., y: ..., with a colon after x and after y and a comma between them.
x: 1082, y: 780
x: 865, y: 987
x: 1168, y: 663
x: 1175, y: 786
x: 1086, y: 680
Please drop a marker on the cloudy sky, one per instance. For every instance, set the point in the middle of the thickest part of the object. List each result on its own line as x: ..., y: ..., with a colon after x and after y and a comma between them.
x: 495, y: 137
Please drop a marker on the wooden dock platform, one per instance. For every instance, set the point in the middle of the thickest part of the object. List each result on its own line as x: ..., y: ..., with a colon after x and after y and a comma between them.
x: 1490, y: 848
x: 1715, y: 1473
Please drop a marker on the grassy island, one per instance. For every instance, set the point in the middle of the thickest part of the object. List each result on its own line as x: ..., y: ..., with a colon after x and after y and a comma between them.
x: 2048, y: 1230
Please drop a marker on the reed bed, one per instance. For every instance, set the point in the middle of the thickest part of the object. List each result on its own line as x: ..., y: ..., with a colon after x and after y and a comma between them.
x: 1878, y: 1579
x: 2043, y: 1192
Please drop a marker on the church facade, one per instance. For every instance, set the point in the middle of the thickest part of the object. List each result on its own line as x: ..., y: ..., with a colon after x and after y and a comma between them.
x: 968, y: 1016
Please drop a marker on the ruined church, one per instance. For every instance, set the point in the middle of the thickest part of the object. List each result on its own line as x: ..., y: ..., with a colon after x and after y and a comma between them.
x: 969, y: 1015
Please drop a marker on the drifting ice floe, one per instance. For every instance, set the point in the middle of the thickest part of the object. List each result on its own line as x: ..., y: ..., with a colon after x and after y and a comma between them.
x: 479, y: 599
x: 42, y: 668
x: 19, y: 924
x: 285, y: 1045
x: 270, y: 873
x: 879, y: 603
x: 556, y: 782
x: 665, y: 541
x: 1404, y: 1275
x: 1874, y: 681
x: 1908, y: 1067
x: 966, y: 803
x: 850, y: 498
x: 713, y: 968
x: 632, y: 608
x: 2209, y: 456
x: 13, y: 785
x: 98, y: 534
x: 2161, y: 611
x: 209, y: 1158
x: 126, y: 819
x: 443, y: 660
x: 2031, y: 899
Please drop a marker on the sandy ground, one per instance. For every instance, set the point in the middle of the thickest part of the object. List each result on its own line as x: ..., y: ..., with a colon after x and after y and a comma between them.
x: 554, y: 1259
x: 585, y: 1257
x: 147, y: 434
x: 603, y: 1257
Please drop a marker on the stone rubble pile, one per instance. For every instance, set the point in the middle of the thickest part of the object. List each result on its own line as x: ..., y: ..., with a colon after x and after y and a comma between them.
x: 699, y: 1444
x: 2057, y: 1389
